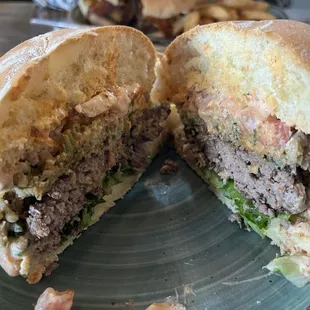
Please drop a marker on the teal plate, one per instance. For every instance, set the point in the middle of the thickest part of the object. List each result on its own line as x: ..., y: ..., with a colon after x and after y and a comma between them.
x: 168, y: 239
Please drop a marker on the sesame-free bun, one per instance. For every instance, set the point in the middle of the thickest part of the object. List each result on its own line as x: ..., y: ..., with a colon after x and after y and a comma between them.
x: 165, y: 8
x: 42, y: 79
x: 268, y: 59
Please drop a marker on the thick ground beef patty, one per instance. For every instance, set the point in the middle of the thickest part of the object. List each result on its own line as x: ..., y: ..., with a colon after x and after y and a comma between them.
x: 47, y: 218
x: 260, y: 179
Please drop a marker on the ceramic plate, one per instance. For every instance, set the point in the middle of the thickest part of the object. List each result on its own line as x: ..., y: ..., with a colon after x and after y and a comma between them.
x: 169, y: 238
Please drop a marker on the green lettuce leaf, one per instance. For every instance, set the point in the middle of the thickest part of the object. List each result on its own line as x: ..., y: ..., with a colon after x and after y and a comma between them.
x: 292, y: 268
x: 68, y: 142
x: 18, y: 228
x: 151, y: 104
x: 114, y: 177
x: 88, y: 212
x: 109, y: 181
x: 252, y: 217
x: 84, y: 218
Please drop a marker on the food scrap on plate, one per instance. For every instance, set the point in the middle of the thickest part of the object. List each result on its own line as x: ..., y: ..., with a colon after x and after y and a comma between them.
x: 55, y: 300
x: 169, y: 167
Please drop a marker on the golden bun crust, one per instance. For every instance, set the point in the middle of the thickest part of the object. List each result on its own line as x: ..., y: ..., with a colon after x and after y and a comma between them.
x: 268, y: 59
x: 45, y: 77
x: 166, y: 8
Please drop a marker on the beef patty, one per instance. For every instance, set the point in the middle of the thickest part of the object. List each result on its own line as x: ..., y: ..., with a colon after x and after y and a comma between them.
x: 260, y: 179
x: 47, y: 218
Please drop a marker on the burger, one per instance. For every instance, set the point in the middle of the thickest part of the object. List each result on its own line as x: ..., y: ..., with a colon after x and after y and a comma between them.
x: 83, y: 112
x: 242, y: 123
x: 77, y: 131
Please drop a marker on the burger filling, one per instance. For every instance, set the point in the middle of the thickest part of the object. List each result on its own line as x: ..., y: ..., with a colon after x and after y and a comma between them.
x: 92, y: 152
x: 240, y: 141
x: 258, y: 166
x: 251, y: 156
x: 272, y: 188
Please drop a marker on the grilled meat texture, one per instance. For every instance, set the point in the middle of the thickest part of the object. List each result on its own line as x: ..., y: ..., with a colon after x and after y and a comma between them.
x: 47, y: 218
x: 271, y: 187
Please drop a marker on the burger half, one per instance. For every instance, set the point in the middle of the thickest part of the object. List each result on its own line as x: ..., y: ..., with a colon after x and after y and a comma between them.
x: 77, y: 131
x: 243, y: 123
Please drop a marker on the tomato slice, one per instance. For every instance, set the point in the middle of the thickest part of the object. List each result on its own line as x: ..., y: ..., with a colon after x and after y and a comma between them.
x: 273, y: 132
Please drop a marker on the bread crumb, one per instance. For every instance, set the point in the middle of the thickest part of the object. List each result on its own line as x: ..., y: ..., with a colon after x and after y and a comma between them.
x: 129, y: 303
x: 169, y: 167
x: 55, y: 300
x: 166, y: 306
x: 50, y: 268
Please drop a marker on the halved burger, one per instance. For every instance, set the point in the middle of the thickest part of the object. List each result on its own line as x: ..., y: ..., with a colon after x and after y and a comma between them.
x: 77, y: 131
x: 243, y: 124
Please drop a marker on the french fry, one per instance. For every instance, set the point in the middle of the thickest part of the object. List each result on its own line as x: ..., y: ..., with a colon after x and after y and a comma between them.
x: 235, y: 4
x: 257, y: 6
x: 216, y: 12
x: 202, y: 5
x: 256, y: 15
x: 206, y: 21
x: 225, y: 10
x: 178, y: 26
x: 192, y: 19
x: 233, y: 14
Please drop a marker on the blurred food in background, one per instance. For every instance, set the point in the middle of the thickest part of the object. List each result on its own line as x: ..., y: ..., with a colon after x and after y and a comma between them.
x: 161, y: 20
x: 109, y: 12
x: 171, y: 17
x: 167, y: 16
x: 226, y: 10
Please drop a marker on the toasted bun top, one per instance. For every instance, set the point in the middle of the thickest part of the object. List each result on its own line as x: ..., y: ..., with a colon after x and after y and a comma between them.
x: 268, y: 59
x: 166, y: 8
x: 42, y: 79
